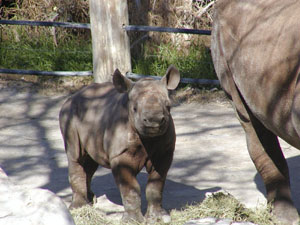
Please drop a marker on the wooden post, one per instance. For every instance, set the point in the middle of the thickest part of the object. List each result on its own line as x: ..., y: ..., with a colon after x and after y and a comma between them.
x: 111, y: 47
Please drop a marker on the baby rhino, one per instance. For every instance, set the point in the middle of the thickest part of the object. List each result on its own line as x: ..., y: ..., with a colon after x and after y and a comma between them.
x: 124, y: 126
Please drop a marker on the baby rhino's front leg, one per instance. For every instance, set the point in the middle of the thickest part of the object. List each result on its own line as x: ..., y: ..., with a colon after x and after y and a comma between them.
x: 155, y: 212
x: 154, y: 190
x: 125, y: 172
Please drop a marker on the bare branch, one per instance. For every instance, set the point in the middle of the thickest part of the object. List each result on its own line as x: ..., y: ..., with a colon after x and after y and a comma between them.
x: 205, y: 9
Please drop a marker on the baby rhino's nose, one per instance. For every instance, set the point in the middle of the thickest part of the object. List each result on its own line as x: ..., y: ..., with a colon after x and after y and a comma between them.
x: 153, y: 119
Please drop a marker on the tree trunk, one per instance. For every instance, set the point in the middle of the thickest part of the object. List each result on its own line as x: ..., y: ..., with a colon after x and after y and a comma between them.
x: 111, y: 47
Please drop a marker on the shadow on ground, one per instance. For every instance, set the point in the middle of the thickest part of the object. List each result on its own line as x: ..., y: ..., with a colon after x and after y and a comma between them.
x: 176, y: 195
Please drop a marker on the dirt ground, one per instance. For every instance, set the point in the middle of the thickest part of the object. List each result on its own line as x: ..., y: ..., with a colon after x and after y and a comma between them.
x: 210, y: 153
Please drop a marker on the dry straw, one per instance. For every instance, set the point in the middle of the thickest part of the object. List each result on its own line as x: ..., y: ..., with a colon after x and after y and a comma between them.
x: 195, y: 14
x: 48, y: 10
x: 182, y: 14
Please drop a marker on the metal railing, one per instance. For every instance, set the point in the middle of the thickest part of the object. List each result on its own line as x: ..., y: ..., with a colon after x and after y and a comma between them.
x: 88, y: 26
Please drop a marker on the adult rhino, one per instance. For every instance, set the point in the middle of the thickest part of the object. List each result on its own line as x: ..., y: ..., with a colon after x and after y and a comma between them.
x: 256, y: 54
x: 124, y: 126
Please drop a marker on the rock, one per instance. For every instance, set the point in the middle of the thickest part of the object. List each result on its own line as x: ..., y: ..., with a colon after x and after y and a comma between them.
x: 215, y: 221
x: 243, y: 223
x: 111, y: 210
x: 204, y: 221
x: 166, y: 219
x: 224, y: 222
x: 22, y: 206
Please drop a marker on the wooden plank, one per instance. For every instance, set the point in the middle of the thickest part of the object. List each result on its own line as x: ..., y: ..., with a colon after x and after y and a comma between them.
x: 111, y: 47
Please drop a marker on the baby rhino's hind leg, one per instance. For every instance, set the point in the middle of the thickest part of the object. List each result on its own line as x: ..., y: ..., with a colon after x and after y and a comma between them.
x: 90, y: 167
x: 80, y: 177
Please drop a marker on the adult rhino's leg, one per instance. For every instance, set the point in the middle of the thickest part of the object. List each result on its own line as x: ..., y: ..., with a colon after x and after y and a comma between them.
x: 154, y: 189
x: 125, y: 171
x: 267, y: 156
x: 263, y: 145
x: 296, y: 106
x: 266, y: 153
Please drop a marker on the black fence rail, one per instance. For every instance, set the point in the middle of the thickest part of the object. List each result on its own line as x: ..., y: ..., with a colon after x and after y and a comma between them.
x: 87, y: 26
x: 46, y: 24
x: 166, y: 29
x: 47, y: 73
x: 182, y: 80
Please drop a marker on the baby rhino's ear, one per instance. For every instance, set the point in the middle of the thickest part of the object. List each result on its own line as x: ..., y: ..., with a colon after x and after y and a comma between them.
x: 172, y: 78
x: 121, y: 83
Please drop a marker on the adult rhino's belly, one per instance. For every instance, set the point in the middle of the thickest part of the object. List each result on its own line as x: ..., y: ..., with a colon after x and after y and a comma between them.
x: 271, y: 104
x: 267, y: 81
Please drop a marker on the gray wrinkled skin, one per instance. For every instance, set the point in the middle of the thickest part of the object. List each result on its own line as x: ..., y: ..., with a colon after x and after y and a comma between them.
x: 256, y: 54
x: 124, y: 126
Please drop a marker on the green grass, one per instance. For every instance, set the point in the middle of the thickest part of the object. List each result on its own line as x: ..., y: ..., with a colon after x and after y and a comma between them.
x: 193, y: 62
x: 75, y: 55
x: 42, y: 54
x: 218, y: 205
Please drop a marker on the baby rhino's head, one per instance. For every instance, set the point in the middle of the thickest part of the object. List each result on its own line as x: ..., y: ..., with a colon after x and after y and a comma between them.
x: 149, y: 103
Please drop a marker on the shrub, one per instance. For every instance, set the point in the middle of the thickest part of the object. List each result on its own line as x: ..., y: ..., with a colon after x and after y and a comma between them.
x: 195, y: 62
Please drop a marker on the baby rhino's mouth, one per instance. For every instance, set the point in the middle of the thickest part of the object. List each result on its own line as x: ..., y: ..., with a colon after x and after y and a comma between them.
x: 155, y: 129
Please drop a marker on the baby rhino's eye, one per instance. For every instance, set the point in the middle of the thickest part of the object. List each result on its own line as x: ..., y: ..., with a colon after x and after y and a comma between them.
x: 168, y: 105
x: 135, y: 108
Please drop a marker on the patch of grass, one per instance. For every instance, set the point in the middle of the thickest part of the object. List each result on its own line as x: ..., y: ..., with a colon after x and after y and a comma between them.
x: 42, y: 54
x: 75, y: 55
x: 88, y: 215
x: 222, y: 205
x: 194, y: 62
x: 218, y: 205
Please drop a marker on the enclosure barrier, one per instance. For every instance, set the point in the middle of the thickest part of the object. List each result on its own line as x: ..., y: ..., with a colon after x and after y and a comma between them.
x: 166, y: 29
x: 182, y: 80
x: 87, y: 26
x: 47, y: 73
x: 46, y: 24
